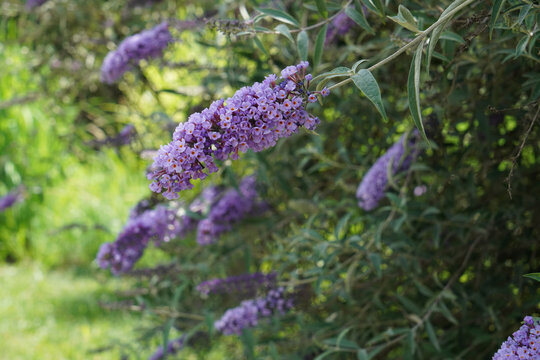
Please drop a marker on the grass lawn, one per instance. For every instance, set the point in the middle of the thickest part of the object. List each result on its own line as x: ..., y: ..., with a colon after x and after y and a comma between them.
x: 55, y: 315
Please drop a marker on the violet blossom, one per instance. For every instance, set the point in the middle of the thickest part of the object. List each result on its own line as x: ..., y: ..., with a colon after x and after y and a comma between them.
x: 159, y: 224
x: 246, y: 284
x: 173, y: 347
x: 254, y: 118
x: 144, y: 45
x: 397, y: 158
x: 523, y: 344
x: 249, y: 312
x: 10, y: 199
x: 232, y: 207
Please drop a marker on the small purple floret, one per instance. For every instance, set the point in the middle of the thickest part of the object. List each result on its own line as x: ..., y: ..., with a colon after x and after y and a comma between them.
x: 523, y: 344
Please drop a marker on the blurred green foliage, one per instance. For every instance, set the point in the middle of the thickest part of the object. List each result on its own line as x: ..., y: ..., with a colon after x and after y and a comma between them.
x: 435, y: 276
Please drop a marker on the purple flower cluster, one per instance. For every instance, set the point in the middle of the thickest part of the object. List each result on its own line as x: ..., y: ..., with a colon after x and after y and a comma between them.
x: 173, y: 347
x: 147, y: 44
x: 10, y: 199
x: 250, y: 311
x: 245, y: 284
x: 523, y: 344
x: 159, y: 224
x: 371, y: 189
x: 254, y: 118
x: 30, y: 4
x: 338, y: 27
x: 232, y: 206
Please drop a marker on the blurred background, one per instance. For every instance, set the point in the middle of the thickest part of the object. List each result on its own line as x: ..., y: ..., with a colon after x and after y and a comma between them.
x: 74, y: 151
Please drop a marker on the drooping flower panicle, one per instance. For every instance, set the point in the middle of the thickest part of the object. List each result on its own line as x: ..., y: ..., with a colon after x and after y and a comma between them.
x: 250, y: 311
x: 245, y: 284
x: 523, y: 344
x: 254, y: 118
x: 159, y: 224
x: 371, y: 189
x: 144, y: 45
x: 232, y: 207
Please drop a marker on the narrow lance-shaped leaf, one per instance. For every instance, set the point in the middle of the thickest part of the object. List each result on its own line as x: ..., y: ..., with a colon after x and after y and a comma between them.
x: 260, y: 45
x: 432, y: 335
x: 284, y: 30
x: 319, y: 46
x: 281, y: 16
x: 496, y: 10
x: 437, y: 33
x: 534, y: 276
x: 413, y: 90
x: 367, y: 84
x: 302, y: 42
x: 359, y: 18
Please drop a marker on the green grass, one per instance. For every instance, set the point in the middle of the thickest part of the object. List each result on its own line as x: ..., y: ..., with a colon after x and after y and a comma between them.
x: 56, y: 315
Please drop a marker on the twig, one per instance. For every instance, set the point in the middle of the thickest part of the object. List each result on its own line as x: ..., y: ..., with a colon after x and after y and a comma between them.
x: 19, y: 100
x: 508, y: 179
x: 413, y: 43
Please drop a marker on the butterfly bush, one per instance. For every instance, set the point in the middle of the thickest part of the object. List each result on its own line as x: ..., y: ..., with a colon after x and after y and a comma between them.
x: 338, y: 27
x: 145, y: 45
x: 371, y: 189
x: 254, y: 118
x: 10, y: 199
x: 250, y: 311
x: 523, y: 344
x: 173, y: 347
x: 233, y: 206
x: 159, y: 224
x: 245, y: 284
x: 30, y: 4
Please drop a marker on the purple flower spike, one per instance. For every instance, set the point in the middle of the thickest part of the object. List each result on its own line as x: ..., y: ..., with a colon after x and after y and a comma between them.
x: 371, y: 189
x: 231, y: 208
x: 523, y: 344
x: 30, y: 4
x: 250, y: 311
x: 246, y: 285
x: 10, y: 199
x: 255, y: 118
x: 159, y: 224
x: 173, y: 347
x: 145, y: 45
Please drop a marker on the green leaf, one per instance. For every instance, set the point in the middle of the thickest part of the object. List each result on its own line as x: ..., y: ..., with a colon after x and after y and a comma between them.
x: 362, y: 354
x: 413, y: 90
x: 375, y: 5
x: 321, y: 6
x: 359, y: 18
x: 522, y: 45
x: 260, y: 45
x: 356, y: 64
x: 522, y: 14
x: 409, y: 305
x: 249, y: 344
x: 411, y: 344
x: 438, y: 31
x: 405, y: 19
x: 534, y: 276
x: 281, y: 16
x: 302, y: 43
x: 319, y: 46
x: 452, y: 36
x: 284, y: 30
x: 339, y: 71
x: 341, y: 343
x: 367, y: 84
x: 432, y: 335
x: 496, y: 10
